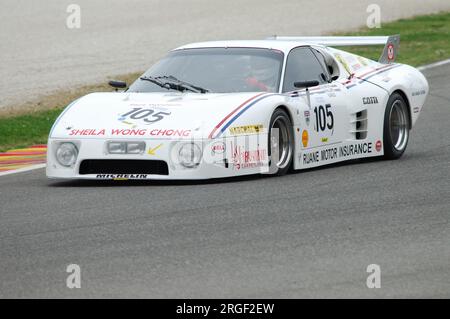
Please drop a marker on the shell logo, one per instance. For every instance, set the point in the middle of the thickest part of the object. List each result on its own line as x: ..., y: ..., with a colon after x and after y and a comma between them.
x: 305, y: 138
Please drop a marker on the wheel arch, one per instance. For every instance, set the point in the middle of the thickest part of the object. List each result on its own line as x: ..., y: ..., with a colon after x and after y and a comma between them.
x: 408, y: 104
x: 287, y: 110
x: 290, y: 114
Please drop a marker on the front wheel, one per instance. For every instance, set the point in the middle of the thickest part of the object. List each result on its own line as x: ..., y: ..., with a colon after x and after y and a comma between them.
x: 281, y: 142
x: 396, y: 127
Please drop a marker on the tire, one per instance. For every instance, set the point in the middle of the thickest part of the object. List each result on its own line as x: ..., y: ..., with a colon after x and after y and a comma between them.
x: 396, y: 127
x: 281, y: 121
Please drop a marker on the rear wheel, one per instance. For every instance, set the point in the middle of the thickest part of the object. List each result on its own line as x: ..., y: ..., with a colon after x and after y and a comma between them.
x: 396, y: 127
x: 281, y: 142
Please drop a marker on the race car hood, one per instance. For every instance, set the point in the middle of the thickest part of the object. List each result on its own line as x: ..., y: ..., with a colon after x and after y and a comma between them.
x: 147, y: 115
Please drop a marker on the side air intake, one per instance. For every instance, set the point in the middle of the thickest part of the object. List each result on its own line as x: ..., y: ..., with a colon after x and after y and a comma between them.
x: 359, y: 125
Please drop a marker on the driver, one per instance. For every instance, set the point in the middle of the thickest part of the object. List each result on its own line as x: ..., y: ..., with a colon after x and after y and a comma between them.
x: 261, y: 74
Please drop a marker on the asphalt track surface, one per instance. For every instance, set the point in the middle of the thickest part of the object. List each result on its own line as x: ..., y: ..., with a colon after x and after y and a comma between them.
x: 307, y: 234
x: 40, y: 54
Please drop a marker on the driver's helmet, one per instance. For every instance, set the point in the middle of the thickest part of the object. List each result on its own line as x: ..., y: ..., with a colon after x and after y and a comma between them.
x: 263, y: 70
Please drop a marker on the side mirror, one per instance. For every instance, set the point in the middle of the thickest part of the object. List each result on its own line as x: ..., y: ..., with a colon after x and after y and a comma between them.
x: 118, y: 84
x: 306, y: 84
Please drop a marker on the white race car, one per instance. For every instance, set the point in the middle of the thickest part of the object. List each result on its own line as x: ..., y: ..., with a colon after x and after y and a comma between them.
x: 231, y: 108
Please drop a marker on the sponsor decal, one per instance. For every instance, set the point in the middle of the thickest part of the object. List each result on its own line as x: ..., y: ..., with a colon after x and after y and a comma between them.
x: 356, y: 66
x: 324, y: 118
x: 390, y: 52
x: 152, y: 151
x: 305, y: 138
x: 416, y: 109
x: 146, y: 116
x: 132, y: 132
x: 244, y: 159
x: 310, y: 157
x: 362, y: 60
x: 319, y: 99
x: 337, y: 152
x: 87, y: 132
x: 329, y: 154
x: 324, y: 139
x: 343, y: 62
x: 355, y: 149
x: 378, y: 145
x: 417, y: 93
x: 128, y: 132
x: 159, y: 106
x: 246, y: 129
x: 218, y: 148
x: 129, y: 123
x: 121, y: 176
x: 170, y: 132
x: 307, y: 115
x: 370, y: 100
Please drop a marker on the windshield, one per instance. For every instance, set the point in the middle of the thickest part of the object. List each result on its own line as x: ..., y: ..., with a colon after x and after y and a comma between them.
x: 216, y: 70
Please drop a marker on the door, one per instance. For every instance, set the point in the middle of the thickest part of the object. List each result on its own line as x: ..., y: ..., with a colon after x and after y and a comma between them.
x: 323, y: 110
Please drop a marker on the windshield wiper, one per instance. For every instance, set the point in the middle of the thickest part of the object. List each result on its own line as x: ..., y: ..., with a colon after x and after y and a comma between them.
x: 171, y: 82
x: 155, y: 81
x: 183, y: 84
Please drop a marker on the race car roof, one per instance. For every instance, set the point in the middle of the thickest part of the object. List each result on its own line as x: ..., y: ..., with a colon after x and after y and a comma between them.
x: 284, y: 46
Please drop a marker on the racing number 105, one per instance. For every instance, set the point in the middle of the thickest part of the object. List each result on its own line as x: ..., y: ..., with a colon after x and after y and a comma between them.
x: 324, y: 117
x: 148, y: 115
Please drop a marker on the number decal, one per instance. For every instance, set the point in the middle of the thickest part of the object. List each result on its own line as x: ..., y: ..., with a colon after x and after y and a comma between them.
x: 131, y: 112
x: 324, y: 117
x: 157, y: 117
x: 330, y: 124
x: 149, y: 116
x: 139, y: 115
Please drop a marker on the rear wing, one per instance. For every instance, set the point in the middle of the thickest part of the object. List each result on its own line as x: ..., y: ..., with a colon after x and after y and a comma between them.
x: 391, y: 43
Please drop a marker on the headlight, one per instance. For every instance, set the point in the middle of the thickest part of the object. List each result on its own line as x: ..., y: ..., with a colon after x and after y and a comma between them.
x: 190, y: 155
x: 126, y: 147
x: 135, y: 147
x: 117, y: 147
x: 67, y: 154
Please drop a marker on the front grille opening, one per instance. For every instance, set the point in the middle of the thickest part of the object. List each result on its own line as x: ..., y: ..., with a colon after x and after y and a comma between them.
x: 124, y: 167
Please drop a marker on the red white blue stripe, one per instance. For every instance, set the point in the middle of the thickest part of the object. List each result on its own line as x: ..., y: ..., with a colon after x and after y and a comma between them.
x: 220, y: 128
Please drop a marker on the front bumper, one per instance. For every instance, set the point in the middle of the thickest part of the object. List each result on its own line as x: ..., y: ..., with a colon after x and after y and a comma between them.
x: 226, y: 157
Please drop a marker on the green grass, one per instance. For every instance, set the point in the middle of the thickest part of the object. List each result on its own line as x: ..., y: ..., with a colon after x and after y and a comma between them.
x: 26, y: 130
x: 423, y: 39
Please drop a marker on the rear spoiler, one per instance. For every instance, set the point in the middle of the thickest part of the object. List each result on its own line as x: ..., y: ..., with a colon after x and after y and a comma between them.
x: 391, y: 43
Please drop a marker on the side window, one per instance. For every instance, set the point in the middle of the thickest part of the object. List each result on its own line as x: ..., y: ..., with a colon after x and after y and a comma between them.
x: 302, y: 65
x: 322, y: 61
